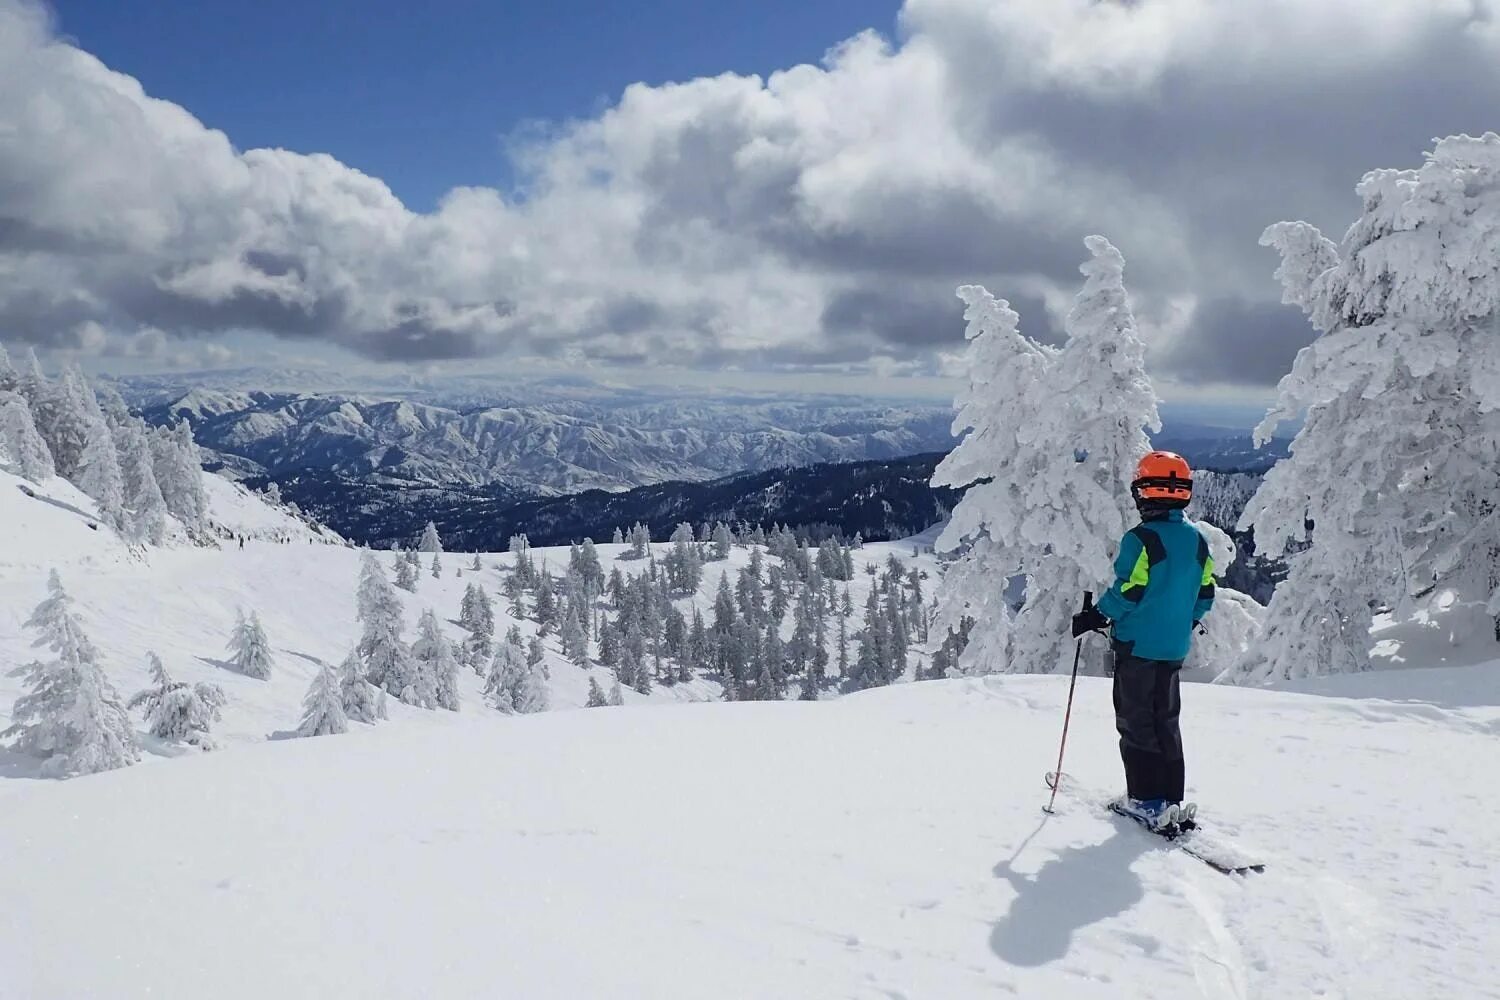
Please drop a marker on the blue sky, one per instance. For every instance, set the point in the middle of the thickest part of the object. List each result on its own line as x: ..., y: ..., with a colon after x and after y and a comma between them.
x: 422, y: 95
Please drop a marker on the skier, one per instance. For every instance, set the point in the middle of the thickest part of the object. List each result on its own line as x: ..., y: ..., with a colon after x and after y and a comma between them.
x: 1164, y: 586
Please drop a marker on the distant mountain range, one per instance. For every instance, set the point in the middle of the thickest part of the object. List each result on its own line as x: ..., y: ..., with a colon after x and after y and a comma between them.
x: 566, y: 457
x: 556, y: 443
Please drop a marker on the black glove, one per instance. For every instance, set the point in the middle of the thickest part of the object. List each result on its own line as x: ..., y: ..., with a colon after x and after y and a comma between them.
x: 1198, y: 627
x: 1090, y: 619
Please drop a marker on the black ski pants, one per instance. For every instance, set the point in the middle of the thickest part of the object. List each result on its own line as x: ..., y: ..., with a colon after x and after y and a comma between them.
x: 1147, y: 704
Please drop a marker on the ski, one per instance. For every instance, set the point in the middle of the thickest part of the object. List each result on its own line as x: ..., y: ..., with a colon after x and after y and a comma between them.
x: 1218, y: 853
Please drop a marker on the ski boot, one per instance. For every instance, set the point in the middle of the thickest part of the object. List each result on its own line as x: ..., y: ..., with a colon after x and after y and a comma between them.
x: 1157, y: 815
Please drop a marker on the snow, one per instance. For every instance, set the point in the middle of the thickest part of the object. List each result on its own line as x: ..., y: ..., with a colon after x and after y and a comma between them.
x: 689, y: 851
x: 183, y: 603
x: 888, y: 843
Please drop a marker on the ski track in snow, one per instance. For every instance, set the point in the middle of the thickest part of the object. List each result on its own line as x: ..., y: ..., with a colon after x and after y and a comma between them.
x: 889, y: 844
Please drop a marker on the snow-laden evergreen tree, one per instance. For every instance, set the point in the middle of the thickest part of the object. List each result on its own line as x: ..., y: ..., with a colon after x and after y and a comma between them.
x: 476, y: 613
x: 597, y: 697
x: 575, y: 644
x: 545, y: 611
x: 437, y: 566
x: 683, y: 564
x: 618, y: 538
x: 506, y: 672
x: 477, y: 566
x: 323, y: 706
x: 97, y: 471
x: 1391, y: 482
x: 436, y: 683
x: 70, y: 716
x: 178, y: 468
x: 1053, y: 439
x: 22, y: 450
x: 616, y: 696
x: 723, y: 540
x: 387, y: 659
x: 361, y: 700
x: 146, y: 508
x: 62, y: 417
x: 430, y: 541
x: 640, y: 542
x: 249, y: 650
x: 176, y: 710
x: 406, y: 575
x: 583, y: 562
x: 532, y: 695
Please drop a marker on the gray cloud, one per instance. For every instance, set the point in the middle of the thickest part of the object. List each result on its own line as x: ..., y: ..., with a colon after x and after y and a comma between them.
x: 1233, y: 341
x: 821, y: 217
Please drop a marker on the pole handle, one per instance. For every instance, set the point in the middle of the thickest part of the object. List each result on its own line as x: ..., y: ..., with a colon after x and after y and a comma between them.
x: 1088, y: 599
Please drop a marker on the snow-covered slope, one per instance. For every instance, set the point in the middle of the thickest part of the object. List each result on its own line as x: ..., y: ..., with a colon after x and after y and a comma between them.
x: 182, y: 604
x: 890, y: 843
x: 886, y: 844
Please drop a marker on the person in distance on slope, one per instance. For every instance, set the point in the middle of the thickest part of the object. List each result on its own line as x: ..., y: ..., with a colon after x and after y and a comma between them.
x: 1164, y: 586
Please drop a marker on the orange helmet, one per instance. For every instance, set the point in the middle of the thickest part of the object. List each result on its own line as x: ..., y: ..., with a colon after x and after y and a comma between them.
x: 1163, y: 475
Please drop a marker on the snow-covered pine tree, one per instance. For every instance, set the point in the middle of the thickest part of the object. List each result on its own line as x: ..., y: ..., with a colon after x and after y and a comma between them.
x: 575, y: 644
x: 179, y: 475
x: 323, y: 706
x: 476, y: 613
x: 176, y: 710
x: 436, y: 683
x: 1053, y: 439
x: 361, y: 700
x: 640, y: 542
x: 146, y: 507
x: 506, y: 672
x: 1390, y: 484
x: 386, y: 657
x: 683, y: 564
x: 545, y: 611
x: 97, y: 471
x: 597, y: 697
x: 22, y: 449
x: 723, y: 541
x: 437, y: 566
x: 70, y: 716
x: 477, y: 566
x: 430, y: 541
x: 532, y: 695
x: 406, y: 575
x: 249, y: 650
x: 60, y: 415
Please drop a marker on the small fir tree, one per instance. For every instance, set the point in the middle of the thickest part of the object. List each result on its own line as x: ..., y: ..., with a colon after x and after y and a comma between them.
x: 70, y: 716
x: 176, y: 710
x: 323, y: 706
x: 249, y: 650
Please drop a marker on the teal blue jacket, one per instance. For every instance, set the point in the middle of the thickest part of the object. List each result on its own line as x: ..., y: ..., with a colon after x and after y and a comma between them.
x: 1164, y: 582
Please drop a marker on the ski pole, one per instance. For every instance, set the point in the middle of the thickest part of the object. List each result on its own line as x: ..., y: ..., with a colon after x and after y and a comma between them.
x: 1088, y: 602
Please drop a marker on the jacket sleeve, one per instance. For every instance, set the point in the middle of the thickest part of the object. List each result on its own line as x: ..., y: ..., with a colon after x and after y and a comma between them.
x: 1132, y: 573
x: 1205, y: 585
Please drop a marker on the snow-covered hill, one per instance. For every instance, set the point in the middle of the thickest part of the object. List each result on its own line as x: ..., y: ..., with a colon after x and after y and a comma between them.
x: 182, y: 603
x: 886, y: 844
